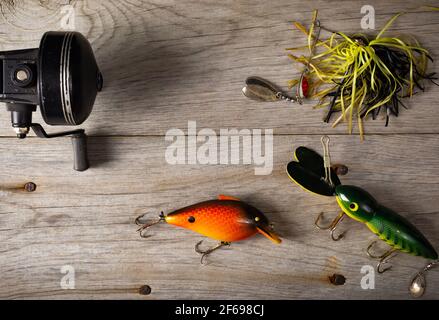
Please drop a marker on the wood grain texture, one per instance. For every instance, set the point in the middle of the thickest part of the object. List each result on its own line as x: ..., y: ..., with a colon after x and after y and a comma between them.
x: 86, y: 220
x: 166, y: 62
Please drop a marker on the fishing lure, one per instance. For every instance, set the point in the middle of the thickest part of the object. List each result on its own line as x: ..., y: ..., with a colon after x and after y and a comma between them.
x: 315, y: 174
x: 262, y: 90
x: 226, y: 219
x: 359, y: 75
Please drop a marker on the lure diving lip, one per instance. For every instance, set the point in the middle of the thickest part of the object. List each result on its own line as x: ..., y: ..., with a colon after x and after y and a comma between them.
x: 225, y: 219
x: 309, y: 172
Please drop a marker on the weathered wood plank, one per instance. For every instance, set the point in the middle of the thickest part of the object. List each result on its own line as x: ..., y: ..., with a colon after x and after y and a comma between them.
x: 165, y: 62
x: 86, y: 220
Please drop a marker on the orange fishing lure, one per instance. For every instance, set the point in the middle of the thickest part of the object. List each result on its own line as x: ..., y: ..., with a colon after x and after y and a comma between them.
x: 225, y: 219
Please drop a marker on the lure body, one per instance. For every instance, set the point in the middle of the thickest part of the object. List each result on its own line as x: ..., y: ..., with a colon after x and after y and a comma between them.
x: 308, y: 172
x: 226, y: 219
x: 389, y: 226
x: 315, y: 174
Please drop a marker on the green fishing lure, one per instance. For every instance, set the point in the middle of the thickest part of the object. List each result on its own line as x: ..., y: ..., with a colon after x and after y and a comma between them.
x: 389, y: 226
x: 313, y: 173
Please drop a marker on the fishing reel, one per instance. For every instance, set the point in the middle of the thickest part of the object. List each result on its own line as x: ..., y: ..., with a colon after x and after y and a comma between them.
x: 62, y: 77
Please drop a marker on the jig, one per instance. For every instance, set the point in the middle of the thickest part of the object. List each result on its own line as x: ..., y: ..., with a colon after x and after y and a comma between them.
x: 226, y: 219
x: 315, y: 174
x: 357, y: 75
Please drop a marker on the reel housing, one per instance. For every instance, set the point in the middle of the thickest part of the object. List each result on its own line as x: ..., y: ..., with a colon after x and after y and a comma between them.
x: 62, y: 77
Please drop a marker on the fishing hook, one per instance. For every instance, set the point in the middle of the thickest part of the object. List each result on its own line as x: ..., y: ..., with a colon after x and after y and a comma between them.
x: 144, y: 226
x: 419, y: 283
x: 205, y: 253
x: 332, y: 226
x: 384, y: 258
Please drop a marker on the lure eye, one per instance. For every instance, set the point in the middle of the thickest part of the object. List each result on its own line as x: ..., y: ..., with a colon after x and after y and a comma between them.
x: 191, y: 219
x: 257, y: 219
x: 353, y: 206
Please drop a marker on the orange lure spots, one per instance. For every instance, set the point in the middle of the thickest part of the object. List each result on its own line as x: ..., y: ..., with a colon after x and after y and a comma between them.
x: 226, y: 219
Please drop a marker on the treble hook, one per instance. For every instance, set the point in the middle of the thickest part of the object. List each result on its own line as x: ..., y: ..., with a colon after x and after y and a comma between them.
x: 419, y: 283
x: 384, y: 258
x: 205, y: 253
x: 332, y: 226
x: 144, y: 226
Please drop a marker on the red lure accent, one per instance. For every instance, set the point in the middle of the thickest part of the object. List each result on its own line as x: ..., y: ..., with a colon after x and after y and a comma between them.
x: 305, y: 87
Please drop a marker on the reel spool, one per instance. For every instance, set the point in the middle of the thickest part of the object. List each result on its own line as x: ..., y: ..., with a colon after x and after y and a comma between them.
x: 62, y: 77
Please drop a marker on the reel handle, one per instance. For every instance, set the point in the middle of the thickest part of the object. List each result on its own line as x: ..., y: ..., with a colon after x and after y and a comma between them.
x: 79, y: 143
x: 80, y: 155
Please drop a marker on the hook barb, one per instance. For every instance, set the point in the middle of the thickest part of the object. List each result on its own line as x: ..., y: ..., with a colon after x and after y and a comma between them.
x: 384, y: 258
x: 144, y: 226
x: 332, y: 226
x: 205, y: 253
x: 368, y: 251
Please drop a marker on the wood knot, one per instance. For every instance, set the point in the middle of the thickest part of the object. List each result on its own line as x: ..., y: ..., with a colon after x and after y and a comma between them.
x: 337, y: 279
x: 340, y: 169
x: 30, y: 186
x: 145, y: 290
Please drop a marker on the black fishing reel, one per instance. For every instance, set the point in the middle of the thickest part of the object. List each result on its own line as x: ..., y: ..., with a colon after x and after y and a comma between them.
x: 62, y: 77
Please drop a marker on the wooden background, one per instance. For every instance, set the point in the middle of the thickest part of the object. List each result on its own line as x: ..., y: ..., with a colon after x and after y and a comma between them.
x: 166, y: 62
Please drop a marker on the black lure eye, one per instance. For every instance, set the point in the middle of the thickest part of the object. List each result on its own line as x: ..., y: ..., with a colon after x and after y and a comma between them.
x: 191, y: 219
